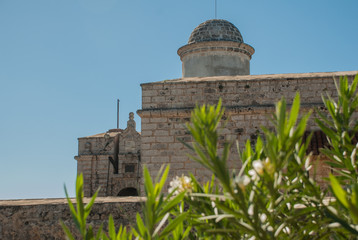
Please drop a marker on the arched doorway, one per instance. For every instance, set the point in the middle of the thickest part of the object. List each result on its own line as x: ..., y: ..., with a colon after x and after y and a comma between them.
x: 126, y: 192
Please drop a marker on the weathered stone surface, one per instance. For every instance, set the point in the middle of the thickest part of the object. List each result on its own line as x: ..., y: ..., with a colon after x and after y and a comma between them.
x: 111, y: 161
x: 215, y: 48
x: 40, y: 218
x: 249, y: 102
x: 215, y: 30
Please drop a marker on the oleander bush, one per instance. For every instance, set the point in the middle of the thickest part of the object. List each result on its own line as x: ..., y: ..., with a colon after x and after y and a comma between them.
x: 271, y: 197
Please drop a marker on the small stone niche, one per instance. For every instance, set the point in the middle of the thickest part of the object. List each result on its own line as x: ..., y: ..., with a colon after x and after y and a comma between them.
x: 129, y: 168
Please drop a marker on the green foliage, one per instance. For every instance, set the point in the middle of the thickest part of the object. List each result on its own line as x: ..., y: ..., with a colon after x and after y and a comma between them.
x: 261, y: 201
x: 81, y: 212
x: 271, y: 197
x: 157, y: 222
x: 205, y: 121
x: 349, y: 203
x: 113, y: 235
x: 341, y: 128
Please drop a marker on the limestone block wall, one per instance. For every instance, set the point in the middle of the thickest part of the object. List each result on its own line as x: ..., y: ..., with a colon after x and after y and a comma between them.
x: 93, y: 160
x: 103, y: 143
x: 98, y: 173
x: 40, y: 219
x: 96, y: 170
x: 249, y: 101
x: 215, y: 58
x: 238, y: 91
x: 111, y: 161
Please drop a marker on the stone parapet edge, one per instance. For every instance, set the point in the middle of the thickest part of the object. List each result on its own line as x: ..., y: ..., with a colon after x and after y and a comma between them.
x: 60, y: 201
x: 257, y: 78
x: 226, y: 46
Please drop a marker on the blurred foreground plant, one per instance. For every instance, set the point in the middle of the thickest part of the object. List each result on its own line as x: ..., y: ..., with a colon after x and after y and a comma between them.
x: 341, y: 128
x: 159, y: 221
x: 272, y: 197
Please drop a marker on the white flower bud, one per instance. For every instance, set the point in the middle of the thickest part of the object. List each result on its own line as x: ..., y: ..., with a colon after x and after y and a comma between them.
x: 180, y: 184
x: 258, y: 166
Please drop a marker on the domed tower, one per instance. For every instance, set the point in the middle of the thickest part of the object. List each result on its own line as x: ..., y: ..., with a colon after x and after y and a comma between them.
x: 215, y: 48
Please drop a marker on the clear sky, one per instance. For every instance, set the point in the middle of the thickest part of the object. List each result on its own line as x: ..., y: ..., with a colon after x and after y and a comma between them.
x: 63, y: 64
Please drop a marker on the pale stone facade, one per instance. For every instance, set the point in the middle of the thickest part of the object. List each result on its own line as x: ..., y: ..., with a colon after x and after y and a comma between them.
x: 111, y: 161
x: 248, y: 100
x: 215, y: 48
x: 212, y: 69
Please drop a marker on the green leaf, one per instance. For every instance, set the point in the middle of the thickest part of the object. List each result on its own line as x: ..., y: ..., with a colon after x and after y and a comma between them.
x: 173, y: 224
x: 164, y: 177
x: 111, y: 228
x: 89, y: 233
x: 99, y: 232
x: 353, y: 212
x: 294, y: 111
x: 342, y: 222
x: 281, y: 117
x: 171, y: 203
x: 67, y: 231
x: 79, y: 203
x: 147, y: 180
x: 73, y: 211
x: 338, y: 191
x: 89, y: 205
x: 140, y: 226
x: 186, y: 232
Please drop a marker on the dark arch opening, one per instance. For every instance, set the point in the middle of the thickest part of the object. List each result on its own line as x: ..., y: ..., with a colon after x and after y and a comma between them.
x: 126, y: 192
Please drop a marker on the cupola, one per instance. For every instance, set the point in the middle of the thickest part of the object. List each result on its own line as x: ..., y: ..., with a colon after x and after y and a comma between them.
x: 215, y: 48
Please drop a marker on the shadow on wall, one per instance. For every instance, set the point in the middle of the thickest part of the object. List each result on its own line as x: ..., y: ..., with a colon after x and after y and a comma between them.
x: 126, y: 192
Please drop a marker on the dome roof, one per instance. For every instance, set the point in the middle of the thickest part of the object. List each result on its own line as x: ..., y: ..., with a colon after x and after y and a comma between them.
x: 215, y: 30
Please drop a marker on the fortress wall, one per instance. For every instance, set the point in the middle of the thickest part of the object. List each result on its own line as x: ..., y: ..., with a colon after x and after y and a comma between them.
x: 95, y: 173
x: 248, y: 100
x: 236, y: 91
x: 98, y: 174
x: 110, y: 161
x: 162, y: 143
x: 40, y: 219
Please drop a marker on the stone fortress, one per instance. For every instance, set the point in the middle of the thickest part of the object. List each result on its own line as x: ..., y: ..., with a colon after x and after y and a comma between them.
x: 215, y: 64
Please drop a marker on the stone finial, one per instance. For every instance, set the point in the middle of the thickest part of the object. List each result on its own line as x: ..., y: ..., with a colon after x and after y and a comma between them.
x: 131, y: 122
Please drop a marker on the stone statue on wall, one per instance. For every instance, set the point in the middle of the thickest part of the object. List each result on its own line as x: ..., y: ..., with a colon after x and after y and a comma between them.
x: 131, y: 122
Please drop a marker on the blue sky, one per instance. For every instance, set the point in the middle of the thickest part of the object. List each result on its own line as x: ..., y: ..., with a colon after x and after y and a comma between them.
x: 64, y: 63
